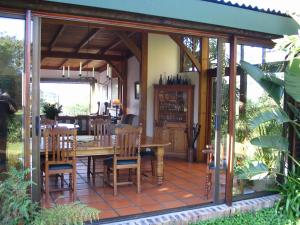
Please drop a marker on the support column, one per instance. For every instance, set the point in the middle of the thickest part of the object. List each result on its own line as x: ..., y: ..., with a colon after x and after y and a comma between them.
x: 243, y: 90
x: 143, y: 82
x: 202, y: 112
x: 231, y: 119
x: 36, y: 132
x: 92, y: 97
x: 26, y: 90
x: 124, y: 89
x: 218, y: 122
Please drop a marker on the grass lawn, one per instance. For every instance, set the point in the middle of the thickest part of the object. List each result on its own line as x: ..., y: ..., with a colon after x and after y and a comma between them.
x: 262, y: 217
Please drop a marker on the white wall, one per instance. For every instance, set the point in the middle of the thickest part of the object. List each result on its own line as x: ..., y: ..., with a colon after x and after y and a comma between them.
x: 133, y: 75
x: 163, y: 57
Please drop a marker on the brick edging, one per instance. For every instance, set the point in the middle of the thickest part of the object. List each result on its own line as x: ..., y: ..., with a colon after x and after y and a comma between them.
x: 212, y: 212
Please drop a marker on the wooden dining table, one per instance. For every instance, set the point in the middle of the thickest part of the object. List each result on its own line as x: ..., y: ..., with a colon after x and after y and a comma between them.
x: 87, y: 146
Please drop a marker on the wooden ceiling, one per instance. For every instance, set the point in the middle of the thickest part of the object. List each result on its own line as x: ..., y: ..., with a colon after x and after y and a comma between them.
x: 65, y: 43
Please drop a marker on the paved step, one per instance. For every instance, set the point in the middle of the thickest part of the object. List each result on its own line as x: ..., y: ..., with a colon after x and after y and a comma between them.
x: 187, y: 216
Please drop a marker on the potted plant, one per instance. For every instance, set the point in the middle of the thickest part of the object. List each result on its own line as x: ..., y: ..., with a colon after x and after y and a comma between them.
x: 51, y: 111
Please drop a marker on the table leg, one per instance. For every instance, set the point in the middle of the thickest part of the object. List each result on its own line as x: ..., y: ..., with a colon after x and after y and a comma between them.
x: 160, y: 164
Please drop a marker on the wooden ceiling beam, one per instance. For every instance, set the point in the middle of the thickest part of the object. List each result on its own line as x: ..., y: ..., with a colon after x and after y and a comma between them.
x: 58, y: 68
x: 130, y: 45
x: 55, y: 38
x: 91, y: 35
x: 112, y: 45
x: 88, y: 38
x: 187, y: 51
x: 72, y: 55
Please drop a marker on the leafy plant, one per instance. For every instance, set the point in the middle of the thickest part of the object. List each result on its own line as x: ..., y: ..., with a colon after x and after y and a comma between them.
x: 15, y: 128
x: 16, y: 206
x: 52, y: 110
x: 289, y: 203
x: 262, y: 217
x: 74, y: 213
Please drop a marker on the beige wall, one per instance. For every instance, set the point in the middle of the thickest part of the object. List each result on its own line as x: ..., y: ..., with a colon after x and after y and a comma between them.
x: 133, y: 75
x: 163, y: 57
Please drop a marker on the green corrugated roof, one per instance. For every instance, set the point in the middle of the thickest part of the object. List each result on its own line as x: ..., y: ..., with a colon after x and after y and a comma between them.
x: 199, y: 11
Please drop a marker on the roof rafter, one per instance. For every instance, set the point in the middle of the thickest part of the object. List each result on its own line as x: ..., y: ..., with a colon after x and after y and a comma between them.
x: 72, y: 55
x: 112, y: 45
x: 83, y: 42
x: 130, y: 44
x: 56, y: 36
x: 187, y: 51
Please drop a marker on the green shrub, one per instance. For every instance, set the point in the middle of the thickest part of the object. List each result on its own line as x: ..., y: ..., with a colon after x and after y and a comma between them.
x: 16, y: 206
x: 14, y: 126
x: 289, y: 203
x: 262, y: 217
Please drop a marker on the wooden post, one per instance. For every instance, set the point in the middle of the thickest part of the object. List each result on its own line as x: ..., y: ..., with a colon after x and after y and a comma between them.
x: 202, y: 112
x: 36, y: 134
x: 124, y: 94
x: 26, y: 90
x: 143, y: 82
x: 231, y: 119
x: 243, y: 90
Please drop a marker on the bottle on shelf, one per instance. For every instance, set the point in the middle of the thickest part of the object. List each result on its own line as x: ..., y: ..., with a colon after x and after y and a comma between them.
x: 160, y: 82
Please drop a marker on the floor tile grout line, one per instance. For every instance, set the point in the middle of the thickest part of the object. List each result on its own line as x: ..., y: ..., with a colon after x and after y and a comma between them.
x: 93, y: 188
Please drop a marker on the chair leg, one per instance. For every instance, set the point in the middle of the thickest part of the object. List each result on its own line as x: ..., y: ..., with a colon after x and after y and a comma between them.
x: 74, y: 184
x: 104, y: 174
x: 153, y: 167
x: 89, y: 167
x: 129, y: 175
x: 115, y: 181
x: 62, y: 180
x: 94, y: 169
x: 47, y: 186
x: 208, y: 184
x: 138, y: 177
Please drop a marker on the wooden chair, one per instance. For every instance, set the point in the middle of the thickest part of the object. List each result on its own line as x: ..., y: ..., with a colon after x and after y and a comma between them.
x: 60, y: 156
x: 148, y: 156
x: 126, y: 156
x: 100, y: 129
x: 210, y: 166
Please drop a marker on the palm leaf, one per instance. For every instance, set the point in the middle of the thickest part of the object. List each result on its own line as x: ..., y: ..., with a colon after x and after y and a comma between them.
x: 269, y: 83
x: 274, y: 114
x: 254, y: 171
x: 292, y: 79
x: 275, y: 142
x: 295, y: 110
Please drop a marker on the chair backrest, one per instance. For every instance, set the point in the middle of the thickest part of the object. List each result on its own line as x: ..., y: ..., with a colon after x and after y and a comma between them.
x: 128, y: 140
x: 100, y: 128
x: 60, y: 145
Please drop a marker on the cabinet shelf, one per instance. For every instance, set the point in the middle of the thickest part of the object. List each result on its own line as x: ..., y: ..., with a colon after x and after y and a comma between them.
x: 173, y: 107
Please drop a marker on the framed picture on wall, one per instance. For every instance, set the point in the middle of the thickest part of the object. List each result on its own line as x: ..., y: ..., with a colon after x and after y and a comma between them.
x: 137, y: 90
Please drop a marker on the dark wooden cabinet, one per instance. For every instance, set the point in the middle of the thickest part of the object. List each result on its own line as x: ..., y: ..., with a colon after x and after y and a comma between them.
x: 173, y: 116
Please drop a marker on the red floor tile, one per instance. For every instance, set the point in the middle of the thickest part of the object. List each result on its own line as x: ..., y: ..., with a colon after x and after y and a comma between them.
x: 129, y: 211
x: 184, y: 184
x: 108, y: 213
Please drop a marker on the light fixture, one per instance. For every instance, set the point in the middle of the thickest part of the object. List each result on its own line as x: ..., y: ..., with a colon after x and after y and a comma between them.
x: 80, y: 69
x: 108, y: 71
x: 63, y: 72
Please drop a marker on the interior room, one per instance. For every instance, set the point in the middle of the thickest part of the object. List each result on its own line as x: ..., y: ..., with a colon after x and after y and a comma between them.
x: 94, y: 72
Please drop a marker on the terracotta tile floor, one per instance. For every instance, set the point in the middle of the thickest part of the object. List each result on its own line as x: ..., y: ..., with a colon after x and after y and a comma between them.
x: 183, y: 185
